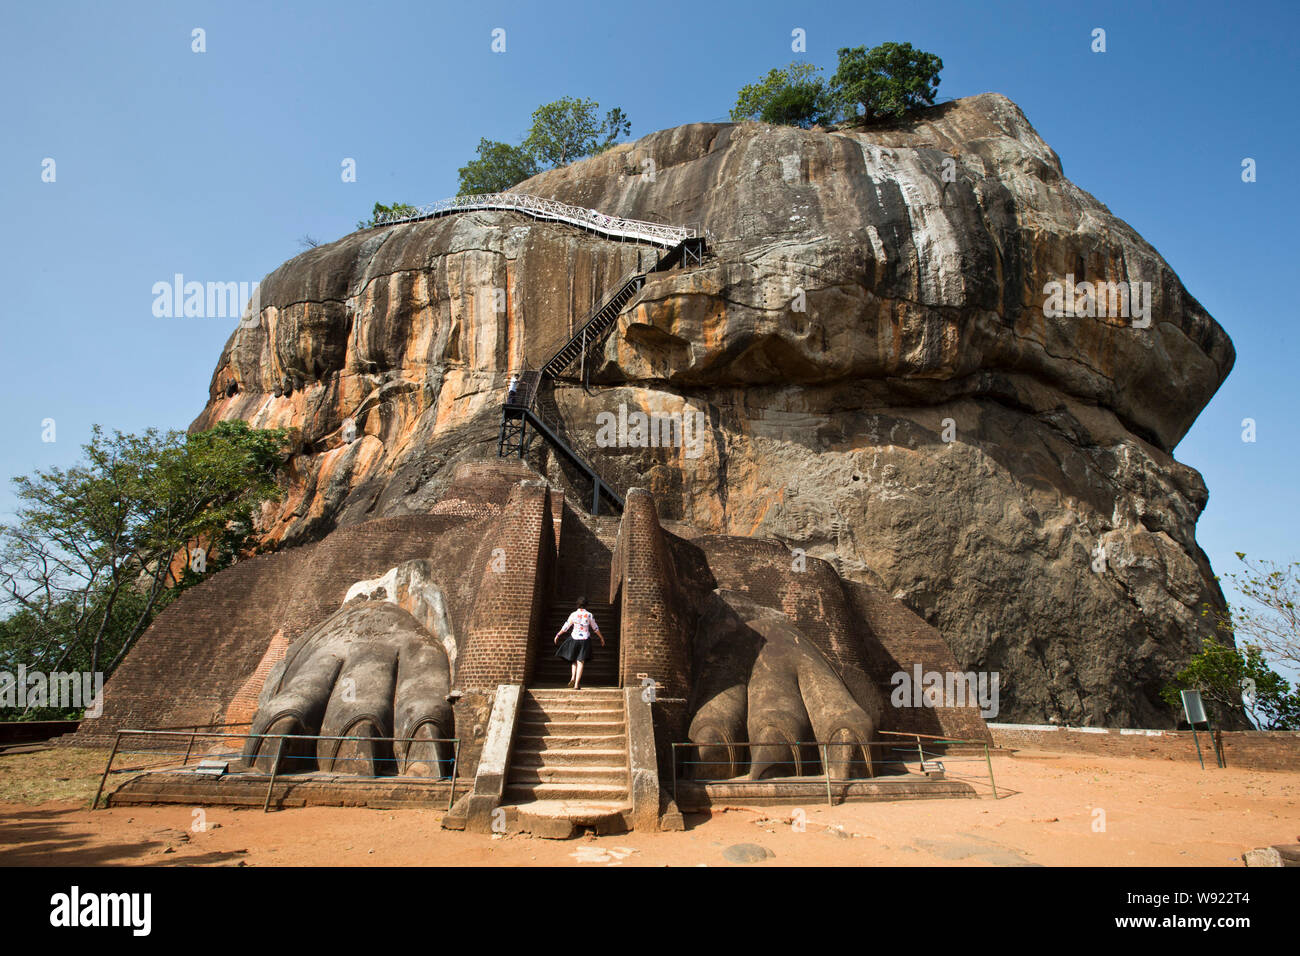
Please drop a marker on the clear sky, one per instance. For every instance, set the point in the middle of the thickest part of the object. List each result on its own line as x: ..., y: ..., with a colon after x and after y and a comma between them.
x: 213, y: 165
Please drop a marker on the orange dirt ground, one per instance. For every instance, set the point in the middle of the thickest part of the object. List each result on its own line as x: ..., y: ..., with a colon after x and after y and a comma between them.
x: 1156, y: 813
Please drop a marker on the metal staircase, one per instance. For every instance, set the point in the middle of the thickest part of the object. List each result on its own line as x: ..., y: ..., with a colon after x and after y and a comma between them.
x: 521, y: 410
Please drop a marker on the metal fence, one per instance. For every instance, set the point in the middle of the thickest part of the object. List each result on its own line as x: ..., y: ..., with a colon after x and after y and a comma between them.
x: 552, y: 209
x: 823, y: 749
x: 449, y: 764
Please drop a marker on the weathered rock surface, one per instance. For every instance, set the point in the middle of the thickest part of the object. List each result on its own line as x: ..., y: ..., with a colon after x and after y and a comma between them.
x: 869, y: 350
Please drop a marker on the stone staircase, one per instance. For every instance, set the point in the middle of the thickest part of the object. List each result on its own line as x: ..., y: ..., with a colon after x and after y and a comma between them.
x: 569, y: 765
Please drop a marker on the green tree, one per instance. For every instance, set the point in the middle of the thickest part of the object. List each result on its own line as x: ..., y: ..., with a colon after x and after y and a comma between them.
x: 569, y: 129
x: 1270, y: 614
x: 792, y: 96
x: 396, y: 209
x: 90, y: 559
x: 498, y: 167
x: 1228, y: 679
x: 885, y: 81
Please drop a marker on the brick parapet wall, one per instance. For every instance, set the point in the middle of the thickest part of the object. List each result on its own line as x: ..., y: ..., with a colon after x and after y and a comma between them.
x: 1246, y: 749
x: 900, y: 640
x: 806, y: 589
x: 863, y: 631
x: 654, y: 634
x: 513, y: 565
x: 198, y: 656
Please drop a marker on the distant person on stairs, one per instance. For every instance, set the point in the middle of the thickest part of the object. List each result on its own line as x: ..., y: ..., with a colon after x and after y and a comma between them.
x: 576, y: 647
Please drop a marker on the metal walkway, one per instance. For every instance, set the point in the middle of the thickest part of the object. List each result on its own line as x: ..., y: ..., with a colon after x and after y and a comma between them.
x: 554, y: 211
x: 520, y: 410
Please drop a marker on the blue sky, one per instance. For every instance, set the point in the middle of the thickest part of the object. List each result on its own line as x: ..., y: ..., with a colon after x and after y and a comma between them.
x: 214, y: 164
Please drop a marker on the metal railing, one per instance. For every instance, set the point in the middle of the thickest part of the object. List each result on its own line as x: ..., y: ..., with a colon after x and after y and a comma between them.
x: 238, y: 757
x: 550, y: 209
x: 823, y: 750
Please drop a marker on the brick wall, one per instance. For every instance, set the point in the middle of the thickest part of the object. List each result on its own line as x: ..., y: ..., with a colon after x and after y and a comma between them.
x: 198, y: 656
x: 899, y: 640
x: 1247, y: 749
x: 513, y: 565
x: 870, y: 634
x: 204, y: 659
x: 654, y: 636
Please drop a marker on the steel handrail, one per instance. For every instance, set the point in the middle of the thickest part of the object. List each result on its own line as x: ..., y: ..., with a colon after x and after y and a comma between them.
x: 824, y: 748
x: 117, y: 743
x: 653, y: 232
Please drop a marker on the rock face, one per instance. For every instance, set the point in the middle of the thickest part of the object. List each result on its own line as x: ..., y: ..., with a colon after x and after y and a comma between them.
x: 869, y: 351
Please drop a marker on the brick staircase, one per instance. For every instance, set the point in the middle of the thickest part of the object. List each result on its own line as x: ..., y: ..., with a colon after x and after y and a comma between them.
x: 586, y: 553
x: 601, y: 669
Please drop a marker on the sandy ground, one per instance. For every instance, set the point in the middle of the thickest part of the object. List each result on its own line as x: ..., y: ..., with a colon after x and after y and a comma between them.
x: 1053, y: 809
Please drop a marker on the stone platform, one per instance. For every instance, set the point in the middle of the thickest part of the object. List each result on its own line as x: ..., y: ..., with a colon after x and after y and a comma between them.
x: 695, y: 796
x: 296, y: 790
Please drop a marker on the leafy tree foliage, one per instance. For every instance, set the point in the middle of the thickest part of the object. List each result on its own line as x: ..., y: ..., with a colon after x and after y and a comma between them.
x: 498, y: 167
x: 561, y: 132
x: 97, y: 549
x: 1228, y: 678
x: 793, y: 96
x: 1270, y: 616
x: 397, y: 209
x: 868, y: 86
x: 569, y: 129
x: 885, y: 81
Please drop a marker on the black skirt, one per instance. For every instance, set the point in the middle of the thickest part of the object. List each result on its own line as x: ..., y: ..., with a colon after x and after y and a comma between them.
x: 574, y: 651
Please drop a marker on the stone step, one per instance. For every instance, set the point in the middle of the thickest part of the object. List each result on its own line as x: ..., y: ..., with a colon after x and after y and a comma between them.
x: 526, y: 792
x: 593, y: 776
x: 564, y: 819
x: 549, y: 728
x: 569, y: 757
x: 606, y: 678
x: 559, y: 693
x: 601, y: 679
x: 600, y: 711
x: 542, y: 743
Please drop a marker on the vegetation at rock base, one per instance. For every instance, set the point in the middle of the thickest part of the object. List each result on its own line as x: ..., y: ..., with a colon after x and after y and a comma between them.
x: 96, y: 550
x: 1271, y: 616
x: 868, y: 86
x: 1267, y: 626
x: 1229, y: 679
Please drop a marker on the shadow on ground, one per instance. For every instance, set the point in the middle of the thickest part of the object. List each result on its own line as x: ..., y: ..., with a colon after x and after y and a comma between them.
x: 50, y: 838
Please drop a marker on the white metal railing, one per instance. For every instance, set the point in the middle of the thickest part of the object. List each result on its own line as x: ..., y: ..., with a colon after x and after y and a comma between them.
x: 652, y: 232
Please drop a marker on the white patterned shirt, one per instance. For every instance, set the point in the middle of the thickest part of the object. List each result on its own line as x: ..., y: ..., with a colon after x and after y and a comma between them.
x: 581, y: 621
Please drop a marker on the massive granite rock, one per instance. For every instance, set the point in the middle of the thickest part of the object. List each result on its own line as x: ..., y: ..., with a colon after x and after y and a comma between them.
x: 869, y: 350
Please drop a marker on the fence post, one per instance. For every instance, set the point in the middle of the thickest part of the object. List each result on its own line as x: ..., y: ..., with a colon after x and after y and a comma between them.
x: 455, y: 769
x: 989, y: 760
x: 826, y: 765
x: 674, y: 762
x: 117, y: 740
x: 275, y: 765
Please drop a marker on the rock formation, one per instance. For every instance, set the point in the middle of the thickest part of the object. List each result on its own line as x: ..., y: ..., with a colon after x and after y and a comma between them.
x: 869, y: 348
